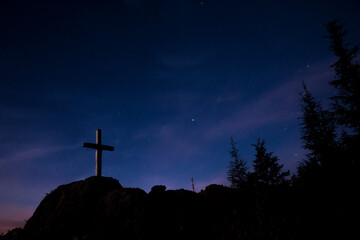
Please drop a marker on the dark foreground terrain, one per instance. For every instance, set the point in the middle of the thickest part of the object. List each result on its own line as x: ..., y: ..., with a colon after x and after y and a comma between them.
x: 100, y: 208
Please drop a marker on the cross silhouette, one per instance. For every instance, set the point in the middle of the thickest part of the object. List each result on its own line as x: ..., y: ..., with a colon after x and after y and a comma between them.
x: 99, y: 148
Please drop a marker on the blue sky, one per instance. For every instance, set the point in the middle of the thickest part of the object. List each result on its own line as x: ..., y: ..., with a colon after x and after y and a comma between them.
x: 168, y: 82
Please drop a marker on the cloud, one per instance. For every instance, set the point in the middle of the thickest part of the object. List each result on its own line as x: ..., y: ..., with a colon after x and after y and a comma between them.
x: 172, y: 135
x: 177, y: 144
x: 276, y: 105
x: 167, y: 143
x: 34, y: 152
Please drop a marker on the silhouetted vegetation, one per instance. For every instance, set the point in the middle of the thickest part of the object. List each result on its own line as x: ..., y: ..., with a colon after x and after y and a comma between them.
x: 323, y: 191
x: 237, y: 173
x: 346, y: 102
x: 267, y: 170
x: 158, y: 189
x: 318, y: 135
x: 319, y: 202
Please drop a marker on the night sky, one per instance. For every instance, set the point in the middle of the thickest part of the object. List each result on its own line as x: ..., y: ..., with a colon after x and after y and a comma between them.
x: 168, y: 82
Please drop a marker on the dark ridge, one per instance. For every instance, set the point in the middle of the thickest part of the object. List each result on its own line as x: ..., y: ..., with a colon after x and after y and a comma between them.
x: 100, y: 208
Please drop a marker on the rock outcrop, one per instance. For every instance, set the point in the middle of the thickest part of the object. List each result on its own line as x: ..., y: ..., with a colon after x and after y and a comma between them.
x: 100, y: 208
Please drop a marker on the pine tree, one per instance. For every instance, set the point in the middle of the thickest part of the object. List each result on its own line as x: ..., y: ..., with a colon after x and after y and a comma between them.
x: 267, y: 170
x: 346, y: 108
x: 237, y: 173
x: 347, y: 82
x: 346, y: 104
x: 318, y: 134
x: 318, y: 131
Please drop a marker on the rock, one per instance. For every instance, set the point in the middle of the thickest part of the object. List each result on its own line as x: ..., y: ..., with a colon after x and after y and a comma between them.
x: 100, y: 208
x: 158, y: 189
x: 71, y: 209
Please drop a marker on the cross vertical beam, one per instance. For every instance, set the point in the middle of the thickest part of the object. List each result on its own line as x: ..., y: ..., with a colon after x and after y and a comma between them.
x: 98, y: 153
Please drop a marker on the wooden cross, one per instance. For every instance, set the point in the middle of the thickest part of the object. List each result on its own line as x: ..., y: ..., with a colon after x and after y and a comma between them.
x: 98, y: 152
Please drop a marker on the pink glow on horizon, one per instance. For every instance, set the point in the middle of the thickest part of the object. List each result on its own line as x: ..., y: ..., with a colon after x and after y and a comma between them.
x: 13, y: 216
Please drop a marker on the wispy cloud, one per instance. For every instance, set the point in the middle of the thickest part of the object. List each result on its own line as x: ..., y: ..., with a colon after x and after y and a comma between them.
x: 32, y: 152
x: 167, y: 143
x: 276, y: 105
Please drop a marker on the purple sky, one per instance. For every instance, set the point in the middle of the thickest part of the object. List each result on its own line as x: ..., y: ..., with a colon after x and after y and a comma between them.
x: 168, y: 82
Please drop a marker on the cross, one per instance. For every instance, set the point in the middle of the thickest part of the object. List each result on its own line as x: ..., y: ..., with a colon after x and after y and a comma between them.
x: 98, y: 152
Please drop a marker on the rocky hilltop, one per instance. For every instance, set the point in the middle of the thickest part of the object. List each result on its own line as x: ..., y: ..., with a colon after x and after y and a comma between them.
x: 100, y: 208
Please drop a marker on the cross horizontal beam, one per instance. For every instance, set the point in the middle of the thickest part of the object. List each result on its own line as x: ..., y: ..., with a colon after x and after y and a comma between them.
x: 98, y: 146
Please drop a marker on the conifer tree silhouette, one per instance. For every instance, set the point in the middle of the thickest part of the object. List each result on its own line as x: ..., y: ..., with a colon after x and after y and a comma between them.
x: 267, y: 170
x: 346, y: 102
x: 237, y: 172
x: 318, y: 134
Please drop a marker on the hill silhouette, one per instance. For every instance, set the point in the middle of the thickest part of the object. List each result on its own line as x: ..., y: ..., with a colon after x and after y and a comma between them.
x: 100, y: 208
